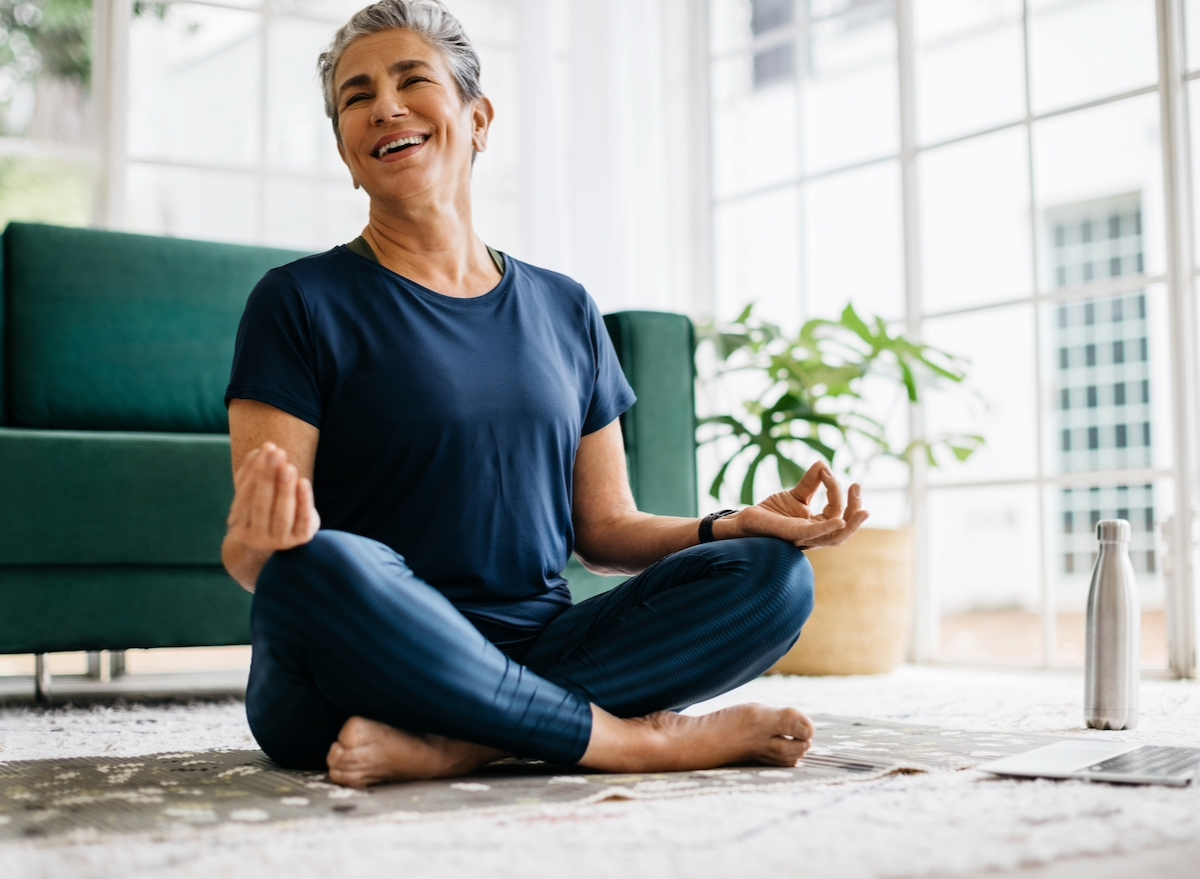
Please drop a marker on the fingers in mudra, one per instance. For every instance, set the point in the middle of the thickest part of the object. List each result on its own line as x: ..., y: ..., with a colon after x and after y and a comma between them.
x: 816, y: 477
x: 853, y: 519
x: 790, y: 515
x: 273, y: 505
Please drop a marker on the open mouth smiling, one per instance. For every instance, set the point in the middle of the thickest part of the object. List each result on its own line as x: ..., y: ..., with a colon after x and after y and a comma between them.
x: 400, y: 144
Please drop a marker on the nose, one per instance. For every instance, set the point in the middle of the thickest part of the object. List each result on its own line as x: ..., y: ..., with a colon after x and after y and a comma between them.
x: 387, y: 107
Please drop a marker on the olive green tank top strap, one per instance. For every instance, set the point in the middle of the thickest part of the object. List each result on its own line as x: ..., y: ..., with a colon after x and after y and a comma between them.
x: 497, y: 258
x: 359, y: 245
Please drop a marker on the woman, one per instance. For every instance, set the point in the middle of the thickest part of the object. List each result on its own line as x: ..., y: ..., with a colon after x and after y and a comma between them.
x: 453, y: 413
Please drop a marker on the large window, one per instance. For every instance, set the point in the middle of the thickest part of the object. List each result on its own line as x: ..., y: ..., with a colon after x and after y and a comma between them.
x: 204, y: 119
x: 991, y: 175
x: 48, y: 127
x: 226, y: 134
x: 217, y: 130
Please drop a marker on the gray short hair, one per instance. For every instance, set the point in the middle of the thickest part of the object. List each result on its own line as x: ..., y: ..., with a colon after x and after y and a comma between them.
x: 426, y: 18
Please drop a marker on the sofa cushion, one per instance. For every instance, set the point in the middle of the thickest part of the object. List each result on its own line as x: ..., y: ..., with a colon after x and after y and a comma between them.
x: 82, y: 498
x: 49, y: 608
x: 108, y: 331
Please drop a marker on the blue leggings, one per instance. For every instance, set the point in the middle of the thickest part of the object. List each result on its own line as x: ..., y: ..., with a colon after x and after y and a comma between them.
x: 342, y: 627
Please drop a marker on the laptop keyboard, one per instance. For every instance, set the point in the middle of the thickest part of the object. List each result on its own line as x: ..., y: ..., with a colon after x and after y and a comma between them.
x: 1150, y: 760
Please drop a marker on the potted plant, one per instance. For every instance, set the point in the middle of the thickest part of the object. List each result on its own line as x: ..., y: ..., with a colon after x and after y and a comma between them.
x: 810, y: 398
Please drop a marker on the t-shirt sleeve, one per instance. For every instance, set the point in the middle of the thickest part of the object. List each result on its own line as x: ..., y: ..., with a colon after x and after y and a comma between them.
x: 611, y: 393
x: 274, y: 360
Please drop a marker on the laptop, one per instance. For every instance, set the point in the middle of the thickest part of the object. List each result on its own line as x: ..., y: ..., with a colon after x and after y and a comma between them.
x: 1092, y: 760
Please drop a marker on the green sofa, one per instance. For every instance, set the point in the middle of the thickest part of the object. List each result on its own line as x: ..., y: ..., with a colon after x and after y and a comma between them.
x: 114, y: 450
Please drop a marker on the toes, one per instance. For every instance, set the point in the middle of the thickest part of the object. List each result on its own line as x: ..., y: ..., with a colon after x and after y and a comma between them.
x: 337, y: 755
x: 796, y: 724
x: 344, y: 769
x: 788, y: 722
x: 355, y: 731
x: 348, y: 779
x: 784, y: 752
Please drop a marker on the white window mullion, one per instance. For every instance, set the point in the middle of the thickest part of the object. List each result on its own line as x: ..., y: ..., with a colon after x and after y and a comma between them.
x: 926, y: 607
x: 1049, y: 597
x: 111, y: 21
x: 260, y: 193
x: 701, y: 178
x: 1181, y: 603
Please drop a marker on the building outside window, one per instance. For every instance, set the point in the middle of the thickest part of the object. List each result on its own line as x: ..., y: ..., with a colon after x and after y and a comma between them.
x: 772, y: 19
x: 1104, y: 417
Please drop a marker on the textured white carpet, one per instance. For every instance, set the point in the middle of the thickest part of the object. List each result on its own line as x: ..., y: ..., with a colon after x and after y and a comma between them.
x: 902, y: 826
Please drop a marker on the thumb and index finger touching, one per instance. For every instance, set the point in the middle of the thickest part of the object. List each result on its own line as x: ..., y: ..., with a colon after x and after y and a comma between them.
x: 818, y: 475
x: 842, y: 511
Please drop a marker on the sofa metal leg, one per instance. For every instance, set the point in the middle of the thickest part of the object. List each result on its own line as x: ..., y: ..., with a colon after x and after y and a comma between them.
x: 116, y: 664
x: 94, y: 665
x: 41, y: 678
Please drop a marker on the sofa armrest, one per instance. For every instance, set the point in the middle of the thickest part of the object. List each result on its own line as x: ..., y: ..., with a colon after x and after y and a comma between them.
x: 656, y: 352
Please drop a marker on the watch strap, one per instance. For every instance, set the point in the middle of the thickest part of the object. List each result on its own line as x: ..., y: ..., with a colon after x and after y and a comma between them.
x: 706, y: 524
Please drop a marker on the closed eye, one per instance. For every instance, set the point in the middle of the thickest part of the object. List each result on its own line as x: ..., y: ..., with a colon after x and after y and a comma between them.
x: 414, y: 79
x: 354, y: 99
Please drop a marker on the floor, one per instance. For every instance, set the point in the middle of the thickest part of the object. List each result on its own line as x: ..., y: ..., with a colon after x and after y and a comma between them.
x: 962, y: 824
x: 1162, y: 863
x: 1015, y: 636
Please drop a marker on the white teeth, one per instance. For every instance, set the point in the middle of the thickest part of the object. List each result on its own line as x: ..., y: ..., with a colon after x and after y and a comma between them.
x: 403, y: 141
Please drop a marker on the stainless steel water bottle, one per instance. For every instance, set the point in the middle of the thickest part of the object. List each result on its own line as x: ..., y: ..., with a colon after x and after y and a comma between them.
x: 1114, y: 630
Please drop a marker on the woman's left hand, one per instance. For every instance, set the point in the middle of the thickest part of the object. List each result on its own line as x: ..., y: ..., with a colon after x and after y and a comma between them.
x: 788, y: 515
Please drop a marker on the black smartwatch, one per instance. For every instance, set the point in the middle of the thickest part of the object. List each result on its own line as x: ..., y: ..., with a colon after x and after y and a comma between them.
x: 706, y: 535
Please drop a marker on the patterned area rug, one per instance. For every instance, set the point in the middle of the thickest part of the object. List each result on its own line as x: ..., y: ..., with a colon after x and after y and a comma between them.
x: 178, y: 793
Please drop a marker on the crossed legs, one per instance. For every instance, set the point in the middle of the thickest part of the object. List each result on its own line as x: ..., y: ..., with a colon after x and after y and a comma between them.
x: 359, y: 663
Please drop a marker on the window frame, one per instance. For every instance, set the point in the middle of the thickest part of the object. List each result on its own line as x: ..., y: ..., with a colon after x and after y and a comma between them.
x: 1178, y: 279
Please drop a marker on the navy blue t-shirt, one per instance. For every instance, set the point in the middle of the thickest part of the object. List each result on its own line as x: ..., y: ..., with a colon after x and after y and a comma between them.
x: 449, y: 426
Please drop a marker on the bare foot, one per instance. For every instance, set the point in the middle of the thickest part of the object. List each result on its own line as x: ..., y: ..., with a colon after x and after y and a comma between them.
x: 666, y: 742
x: 368, y: 752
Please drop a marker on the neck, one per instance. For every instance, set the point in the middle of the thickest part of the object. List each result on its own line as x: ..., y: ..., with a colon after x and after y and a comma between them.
x: 432, y: 241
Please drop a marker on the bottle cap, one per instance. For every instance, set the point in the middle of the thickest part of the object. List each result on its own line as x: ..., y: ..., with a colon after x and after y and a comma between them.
x: 1113, y: 531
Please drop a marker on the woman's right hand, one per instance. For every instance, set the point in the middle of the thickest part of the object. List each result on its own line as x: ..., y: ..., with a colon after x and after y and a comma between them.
x: 273, y: 505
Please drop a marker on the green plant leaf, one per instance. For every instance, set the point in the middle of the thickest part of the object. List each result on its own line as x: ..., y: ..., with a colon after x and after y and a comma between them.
x: 821, y: 448
x: 747, y: 496
x: 735, y: 426
x: 790, y: 473
x: 714, y: 490
x: 813, y: 382
x: 851, y: 320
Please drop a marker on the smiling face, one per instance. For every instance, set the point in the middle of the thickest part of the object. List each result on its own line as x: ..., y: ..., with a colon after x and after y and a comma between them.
x: 403, y: 128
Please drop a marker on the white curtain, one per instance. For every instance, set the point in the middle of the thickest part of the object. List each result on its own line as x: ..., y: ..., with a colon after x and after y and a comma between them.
x: 612, y: 175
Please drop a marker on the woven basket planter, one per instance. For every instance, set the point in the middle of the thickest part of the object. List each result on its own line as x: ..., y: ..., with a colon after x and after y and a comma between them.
x: 863, y: 614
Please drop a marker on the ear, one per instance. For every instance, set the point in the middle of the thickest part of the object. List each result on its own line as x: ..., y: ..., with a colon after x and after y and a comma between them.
x: 481, y: 118
x: 342, y: 153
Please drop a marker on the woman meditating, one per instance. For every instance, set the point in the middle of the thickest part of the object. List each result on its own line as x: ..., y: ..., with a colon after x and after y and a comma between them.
x: 453, y: 413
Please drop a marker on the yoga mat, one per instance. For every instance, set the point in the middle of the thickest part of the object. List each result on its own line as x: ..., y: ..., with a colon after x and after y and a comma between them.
x: 84, y: 798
